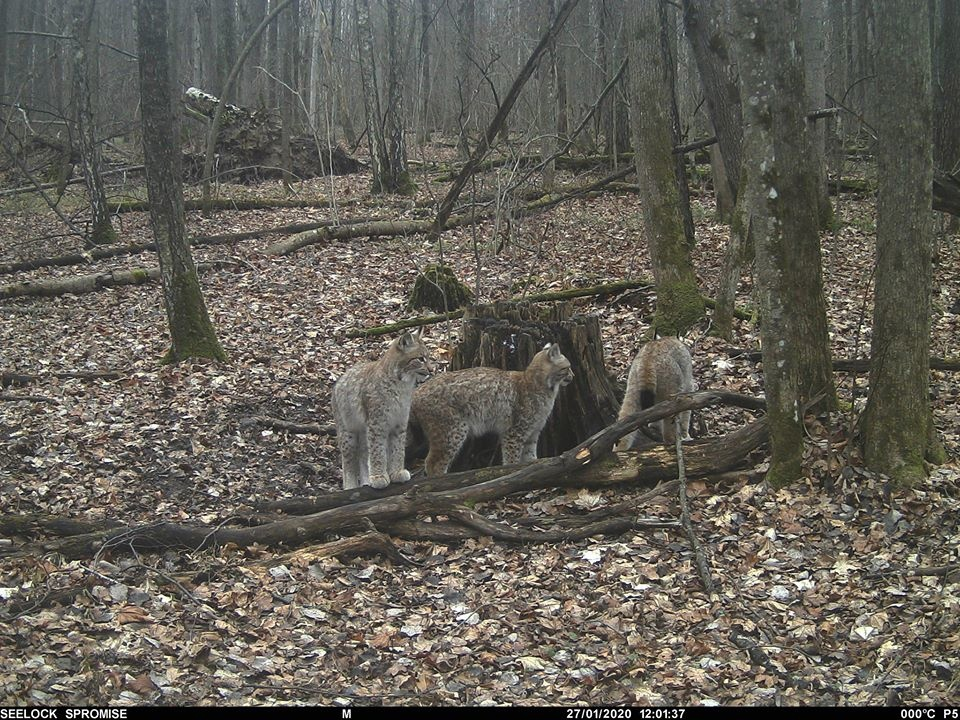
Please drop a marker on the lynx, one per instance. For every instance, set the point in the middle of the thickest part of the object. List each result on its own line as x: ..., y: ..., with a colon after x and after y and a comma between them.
x: 514, y: 404
x: 661, y: 369
x: 371, y: 404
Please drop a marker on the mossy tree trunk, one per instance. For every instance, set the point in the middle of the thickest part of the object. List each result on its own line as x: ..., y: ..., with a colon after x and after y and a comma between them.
x: 679, y: 304
x: 779, y: 190
x: 507, y: 335
x: 191, y: 332
x: 897, y: 421
x: 86, y: 74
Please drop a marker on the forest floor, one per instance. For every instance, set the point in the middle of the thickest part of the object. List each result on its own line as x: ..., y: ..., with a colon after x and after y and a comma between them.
x: 829, y: 580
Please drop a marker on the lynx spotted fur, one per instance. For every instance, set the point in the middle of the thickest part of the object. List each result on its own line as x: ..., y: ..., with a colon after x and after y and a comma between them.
x: 661, y: 369
x: 371, y: 405
x: 457, y: 405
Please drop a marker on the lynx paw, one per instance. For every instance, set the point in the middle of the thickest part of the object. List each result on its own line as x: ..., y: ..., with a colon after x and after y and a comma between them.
x: 379, y: 481
x: 401, y: 477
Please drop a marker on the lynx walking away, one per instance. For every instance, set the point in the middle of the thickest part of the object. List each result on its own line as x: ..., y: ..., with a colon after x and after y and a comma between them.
x: 468, y: 403
x: 661, y: 369
x: 371, y: 403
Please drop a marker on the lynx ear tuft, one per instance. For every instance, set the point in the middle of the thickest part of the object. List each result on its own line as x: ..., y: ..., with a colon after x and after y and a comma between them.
x: 406, y: 341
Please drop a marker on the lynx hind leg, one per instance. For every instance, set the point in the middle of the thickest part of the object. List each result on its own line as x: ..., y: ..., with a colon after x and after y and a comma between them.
x: 444, y: 447
x: 350, y: 455
x: 396, y: 445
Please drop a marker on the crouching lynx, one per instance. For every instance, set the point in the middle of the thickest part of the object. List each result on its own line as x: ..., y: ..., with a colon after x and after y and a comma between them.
x: 371, y: 404
x: 514, y: 404
x: 661, y: 369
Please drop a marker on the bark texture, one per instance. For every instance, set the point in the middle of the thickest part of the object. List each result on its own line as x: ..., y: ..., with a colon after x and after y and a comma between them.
x: 780, y: 195
x: 679, y: 304
x: 86, y: 80
x: 897, y: 422
x: 191, y: 332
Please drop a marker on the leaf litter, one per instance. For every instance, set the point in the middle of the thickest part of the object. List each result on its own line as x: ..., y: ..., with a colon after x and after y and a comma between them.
x: 822, y: 593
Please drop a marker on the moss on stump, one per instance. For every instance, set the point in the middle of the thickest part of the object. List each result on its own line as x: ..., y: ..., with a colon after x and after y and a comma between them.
x: 438, y: 288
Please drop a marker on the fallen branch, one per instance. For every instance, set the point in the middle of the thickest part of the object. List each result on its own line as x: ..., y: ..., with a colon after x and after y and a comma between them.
x: 92, y: 282
x: 12, y: 379
x: 103, y: 253
x: 590, y: 463
x: 700, y: 559
x: 656, y: 464
x: 370, y: 542
x: 380, y: 228
x: 72, y: 181
x: 551, y: 295
x: 854, y: 365
x: 548, y: 296
x: 505, y: 533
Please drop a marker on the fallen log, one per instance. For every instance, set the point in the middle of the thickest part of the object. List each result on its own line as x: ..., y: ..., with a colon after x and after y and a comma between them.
x: 548, y: 296
x: 388, y: 228
x: 92, y: 282
x: 854, y: 365
x: 591, y: 463
x: 103, y: 253
x: 12, y: 379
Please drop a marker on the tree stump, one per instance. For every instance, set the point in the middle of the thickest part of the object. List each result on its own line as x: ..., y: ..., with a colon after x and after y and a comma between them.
x: 438, y: 288
x: 507, y: 335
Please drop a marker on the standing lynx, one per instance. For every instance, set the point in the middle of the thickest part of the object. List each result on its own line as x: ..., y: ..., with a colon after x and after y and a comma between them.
x: 661, y: 369
x: 468, y: 403
x: 371, y: 404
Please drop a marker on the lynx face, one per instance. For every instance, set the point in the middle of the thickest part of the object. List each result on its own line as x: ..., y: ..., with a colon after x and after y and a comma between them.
x: 371, y: 405
x: 662, y: 369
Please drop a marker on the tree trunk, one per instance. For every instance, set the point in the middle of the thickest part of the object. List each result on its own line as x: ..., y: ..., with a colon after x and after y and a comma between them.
x: 191, y: 332
x: 466, y: 73
x: 679, y: 304
x: 508, y: 335
x: 387, y: 151
x: 780, y: 197
x: 4, y: 20
x: 424, y: 94
x: 86, y: 80
x: 250, y: 89
x: 225, y: 19
x: 545, y: 11
x: 706, y: 29
x: 813, y: 25
x: 946, y: 89
x: 289, y: 42
x: 897, y: 421
x: 399, y: 178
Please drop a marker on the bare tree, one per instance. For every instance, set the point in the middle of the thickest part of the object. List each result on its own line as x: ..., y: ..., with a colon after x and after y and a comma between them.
x: 191, y: 332
x: 897, y: 423
x: 86, y: 80
x: 384, y: 120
